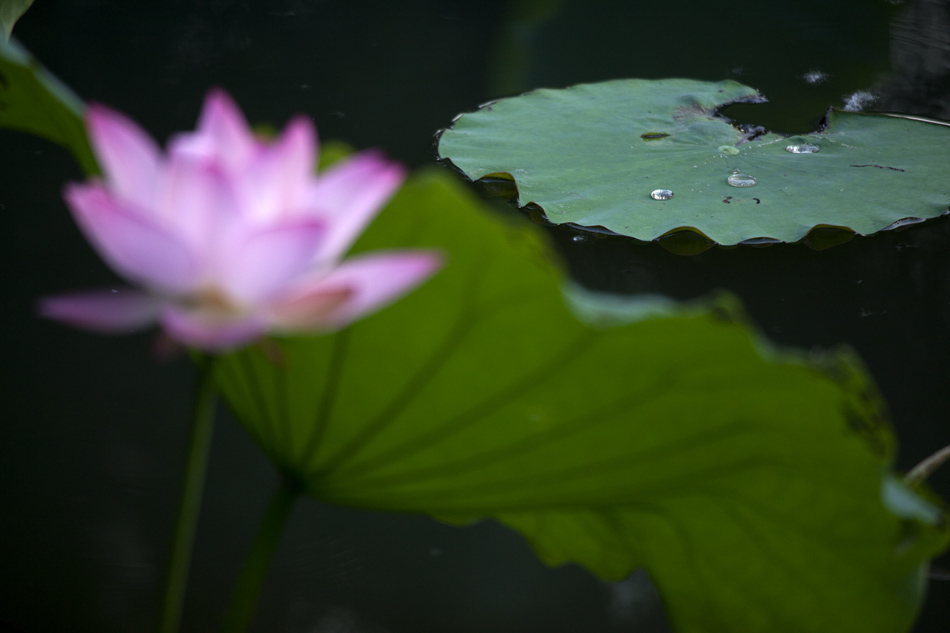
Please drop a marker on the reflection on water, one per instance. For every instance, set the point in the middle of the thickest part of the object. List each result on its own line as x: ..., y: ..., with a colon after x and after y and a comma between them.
x: 920, y: 54
x: 635, y: 605
x: 860, y: 100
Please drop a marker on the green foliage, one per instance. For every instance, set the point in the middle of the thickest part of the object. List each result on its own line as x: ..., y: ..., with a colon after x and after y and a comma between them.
x: 616, y: 433
x: 10, y: 12
x: 34, y: 101
x: 752, y: 484
x: 593, y: 153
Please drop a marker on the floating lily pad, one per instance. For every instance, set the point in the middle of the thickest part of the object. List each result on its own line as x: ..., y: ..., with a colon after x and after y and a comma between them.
x: 649, y: 158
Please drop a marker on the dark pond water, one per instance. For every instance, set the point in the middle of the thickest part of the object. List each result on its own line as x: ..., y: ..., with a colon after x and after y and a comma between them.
x: 94, y: 428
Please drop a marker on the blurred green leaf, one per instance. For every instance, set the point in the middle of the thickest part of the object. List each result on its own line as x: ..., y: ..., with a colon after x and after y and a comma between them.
x: 611, y: 432
x: 592, y: 154
x: 34, y: 101
x: 10, y: 12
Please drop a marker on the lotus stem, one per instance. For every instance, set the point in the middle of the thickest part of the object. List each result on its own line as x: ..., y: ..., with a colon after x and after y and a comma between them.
x: 247, y: 590
x: 195, y: 468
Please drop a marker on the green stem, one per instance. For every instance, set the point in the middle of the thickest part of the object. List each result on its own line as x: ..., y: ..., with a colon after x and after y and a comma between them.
x: 924, y: 469
x: 201, y: 431
x: 248, y: 587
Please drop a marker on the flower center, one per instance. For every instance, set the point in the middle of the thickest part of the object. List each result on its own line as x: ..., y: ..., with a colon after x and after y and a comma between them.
x: 213, y: 302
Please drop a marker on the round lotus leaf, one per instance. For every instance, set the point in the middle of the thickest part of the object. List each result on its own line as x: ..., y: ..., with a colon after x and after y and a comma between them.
x: 649, y: 158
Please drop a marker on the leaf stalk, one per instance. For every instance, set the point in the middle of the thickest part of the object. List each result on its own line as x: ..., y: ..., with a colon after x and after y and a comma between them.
x: 247, y: 589
x: 190, y: 506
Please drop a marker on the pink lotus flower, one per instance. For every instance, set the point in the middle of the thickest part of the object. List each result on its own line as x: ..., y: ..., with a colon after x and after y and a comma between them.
x: 229, y: 236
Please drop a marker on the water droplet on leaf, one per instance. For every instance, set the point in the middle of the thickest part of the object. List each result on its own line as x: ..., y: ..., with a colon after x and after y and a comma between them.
x: 738, y: 179
x: 661, y: 194
x: 728, y: 150
x: 802, y: 148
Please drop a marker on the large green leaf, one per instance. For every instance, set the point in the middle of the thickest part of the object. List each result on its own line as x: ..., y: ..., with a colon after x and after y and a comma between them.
x: 749, y: 482
x: 34, y: 101
x: 593, y: 154
x: 10, y: 12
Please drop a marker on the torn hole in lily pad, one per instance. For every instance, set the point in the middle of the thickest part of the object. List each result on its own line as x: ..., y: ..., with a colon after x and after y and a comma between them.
x: 654, y: 160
